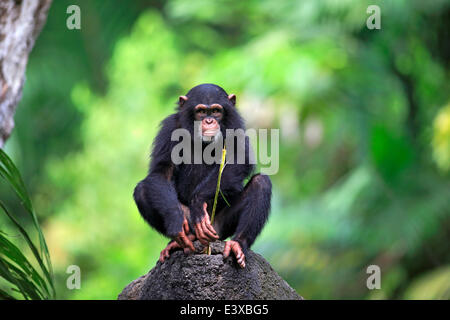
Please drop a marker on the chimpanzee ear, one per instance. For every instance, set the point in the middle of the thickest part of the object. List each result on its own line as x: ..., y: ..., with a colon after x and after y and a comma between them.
x: 232, y: 98
x: 182, y: 100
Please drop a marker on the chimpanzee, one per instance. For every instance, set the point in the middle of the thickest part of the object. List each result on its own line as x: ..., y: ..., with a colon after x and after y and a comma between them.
x: 176, y: 199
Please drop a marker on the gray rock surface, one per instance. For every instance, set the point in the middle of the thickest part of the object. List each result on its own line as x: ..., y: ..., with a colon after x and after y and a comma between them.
x: 209, y: 277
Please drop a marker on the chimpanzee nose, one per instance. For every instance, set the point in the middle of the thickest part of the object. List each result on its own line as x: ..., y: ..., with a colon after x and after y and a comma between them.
x: 209, y: 120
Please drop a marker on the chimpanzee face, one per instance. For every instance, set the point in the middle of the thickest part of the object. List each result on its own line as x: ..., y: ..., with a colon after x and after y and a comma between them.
x: 208, y: 104
x: 210, y: 117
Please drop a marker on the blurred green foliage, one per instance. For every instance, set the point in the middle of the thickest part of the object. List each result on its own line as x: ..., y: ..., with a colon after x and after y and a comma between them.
x: 363, y: 116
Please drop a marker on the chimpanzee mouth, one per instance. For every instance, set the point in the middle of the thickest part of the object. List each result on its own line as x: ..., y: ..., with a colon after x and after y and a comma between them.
x: 209, y: 133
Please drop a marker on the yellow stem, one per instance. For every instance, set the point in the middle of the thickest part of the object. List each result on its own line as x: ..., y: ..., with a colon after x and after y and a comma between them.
x: 224, y: 152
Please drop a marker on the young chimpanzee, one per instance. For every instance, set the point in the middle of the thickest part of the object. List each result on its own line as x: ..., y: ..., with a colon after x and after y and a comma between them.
x: 176, y: 199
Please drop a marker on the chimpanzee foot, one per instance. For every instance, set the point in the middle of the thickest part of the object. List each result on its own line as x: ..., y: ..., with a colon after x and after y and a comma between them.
x: 172, y: 246
x: 235, y: 247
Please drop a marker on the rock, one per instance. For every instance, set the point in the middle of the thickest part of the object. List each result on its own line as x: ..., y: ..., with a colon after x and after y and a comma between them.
x: 209, y: 277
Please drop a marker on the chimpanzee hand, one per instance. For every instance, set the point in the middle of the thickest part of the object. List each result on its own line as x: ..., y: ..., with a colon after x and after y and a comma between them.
x: 237, y: 250
x: 204, y: 230
x: 182, y: 239
x: 173, y: 245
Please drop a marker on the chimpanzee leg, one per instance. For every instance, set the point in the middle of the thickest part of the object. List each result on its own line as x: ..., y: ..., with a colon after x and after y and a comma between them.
x: 147, y: 211
x: 173, y: 245
x: 247, y: 215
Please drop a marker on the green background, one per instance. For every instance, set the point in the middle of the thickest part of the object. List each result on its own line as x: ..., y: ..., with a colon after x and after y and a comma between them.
x: 364, y: 119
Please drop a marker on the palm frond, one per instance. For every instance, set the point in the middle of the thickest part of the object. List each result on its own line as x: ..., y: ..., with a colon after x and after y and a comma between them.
x: 15, y: 267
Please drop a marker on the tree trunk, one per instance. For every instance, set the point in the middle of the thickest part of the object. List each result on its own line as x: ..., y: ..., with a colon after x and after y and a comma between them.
x: 20, y: 24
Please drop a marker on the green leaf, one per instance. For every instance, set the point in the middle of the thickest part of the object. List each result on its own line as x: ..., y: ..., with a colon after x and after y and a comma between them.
x: 12, y: 175
x: 29, y: 242
x: 5, y: 296
x: 223, y: 197
x: 8, y: 250
x: 15, y: 276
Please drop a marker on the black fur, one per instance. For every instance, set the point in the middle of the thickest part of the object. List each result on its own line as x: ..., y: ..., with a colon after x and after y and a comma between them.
x: 167, y: 185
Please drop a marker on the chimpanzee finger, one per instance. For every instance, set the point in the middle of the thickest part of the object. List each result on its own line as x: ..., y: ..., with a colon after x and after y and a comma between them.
x: 211, y: 229
x: 226, y: 250
x: 164, y: 254
x: 209, y: 225
x: 240, y: 257
x: 205, y: 207
x: 240, y: 260
x: 191, y: 237
x: 211, y: 236
x: 237, y: 251
x: 189, y: 250
x: 186, y: 226
x: 208, y: 221
x: 177, y: 239
x: 200, y: 235
x: 187, y: 243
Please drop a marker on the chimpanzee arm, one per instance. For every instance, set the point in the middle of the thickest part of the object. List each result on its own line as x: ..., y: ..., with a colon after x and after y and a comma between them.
x: 155, y: 195
x: 157, y: 191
